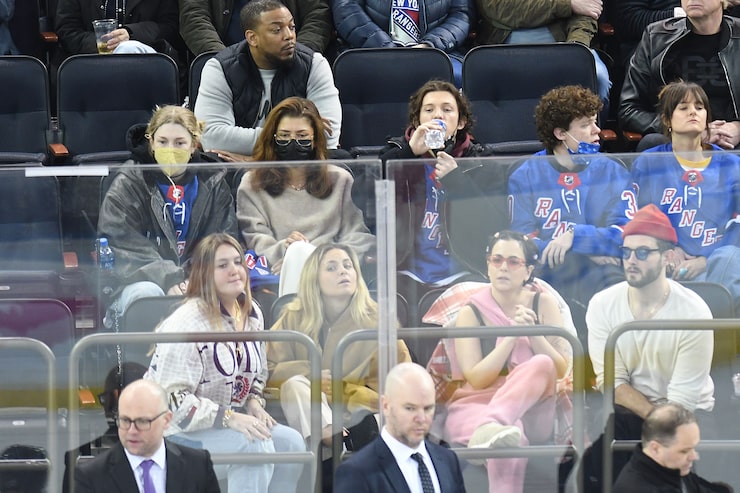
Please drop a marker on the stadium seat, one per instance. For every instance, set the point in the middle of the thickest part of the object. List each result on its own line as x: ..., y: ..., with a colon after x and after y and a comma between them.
x: 24, y: 111
x: 143, y: 315
x: 375, y: 85
x: 194, y: 81
x: 99, y: 97
x: 504, y: 83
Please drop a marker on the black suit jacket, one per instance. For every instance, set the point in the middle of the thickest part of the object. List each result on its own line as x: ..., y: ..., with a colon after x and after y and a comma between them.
x: 188, y: 471
x: 374, y: 470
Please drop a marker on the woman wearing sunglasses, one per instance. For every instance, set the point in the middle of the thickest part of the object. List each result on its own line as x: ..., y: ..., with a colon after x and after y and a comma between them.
x: 509, y: 398
x: 284, y: 212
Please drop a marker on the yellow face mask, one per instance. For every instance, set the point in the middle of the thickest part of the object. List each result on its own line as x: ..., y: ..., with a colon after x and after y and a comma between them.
x: 172, y: 161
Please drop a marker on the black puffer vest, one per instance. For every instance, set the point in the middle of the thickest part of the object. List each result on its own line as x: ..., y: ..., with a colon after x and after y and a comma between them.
x: 246, y: 85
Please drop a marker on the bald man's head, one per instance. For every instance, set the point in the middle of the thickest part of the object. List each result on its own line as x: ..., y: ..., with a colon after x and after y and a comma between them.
x: 143, y: 417
x: 408, y: 403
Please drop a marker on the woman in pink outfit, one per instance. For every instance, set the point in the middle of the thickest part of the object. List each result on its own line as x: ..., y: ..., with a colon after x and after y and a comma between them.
x: 510, y: 393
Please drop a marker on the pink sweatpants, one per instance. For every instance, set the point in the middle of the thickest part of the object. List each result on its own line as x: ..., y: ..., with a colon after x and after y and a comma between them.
x: 524, y: 398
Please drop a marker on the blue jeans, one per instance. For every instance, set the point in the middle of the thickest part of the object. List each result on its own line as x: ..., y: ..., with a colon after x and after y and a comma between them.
x: 723, y: 267
x: 129, y: 294
x: 251, y: 478
x: 543, y: 35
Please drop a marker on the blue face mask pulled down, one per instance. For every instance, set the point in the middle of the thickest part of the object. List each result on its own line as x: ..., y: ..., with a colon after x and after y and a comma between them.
x: 583, y: 148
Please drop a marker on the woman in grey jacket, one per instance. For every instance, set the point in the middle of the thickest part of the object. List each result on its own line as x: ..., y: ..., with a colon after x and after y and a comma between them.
x: 154, y: 217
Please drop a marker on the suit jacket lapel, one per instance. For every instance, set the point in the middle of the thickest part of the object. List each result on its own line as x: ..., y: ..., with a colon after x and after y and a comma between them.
x: 175, y: 468
x: 442, y: 466
x: 120, y: 470
x: 390, y: 468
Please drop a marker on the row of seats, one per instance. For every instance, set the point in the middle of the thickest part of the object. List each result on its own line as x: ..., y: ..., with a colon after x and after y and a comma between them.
x: 98, y: 97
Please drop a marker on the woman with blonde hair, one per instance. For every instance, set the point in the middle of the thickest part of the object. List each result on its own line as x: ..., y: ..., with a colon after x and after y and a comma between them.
x: 272, y: 201
x: 332, y: 301
x: 154, y: 215
x: 215, y: 389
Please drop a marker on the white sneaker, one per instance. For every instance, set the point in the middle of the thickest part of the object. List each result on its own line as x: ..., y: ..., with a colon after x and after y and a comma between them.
x: 495, y: 435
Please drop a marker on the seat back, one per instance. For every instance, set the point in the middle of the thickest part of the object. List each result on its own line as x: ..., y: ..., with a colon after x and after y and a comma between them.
x: 143, y: 315
x: 48, y: 320
x: 24, y: 111
x: 196, y: 68
x: 100, y: 96
x: 24, y: 371
x: 720, y: 302
x: 277, y: 307
x: 30, y: 225
x: 375, y: 85
x: 504, y: 83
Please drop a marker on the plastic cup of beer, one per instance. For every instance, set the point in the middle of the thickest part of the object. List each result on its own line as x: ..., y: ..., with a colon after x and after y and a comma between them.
x: 102, y: 28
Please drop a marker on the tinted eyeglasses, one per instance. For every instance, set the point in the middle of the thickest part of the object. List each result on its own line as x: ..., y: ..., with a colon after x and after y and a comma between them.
x: 141, y: 424
x: 641, y: 253
x: 305, y: 142
x: 513, y: 263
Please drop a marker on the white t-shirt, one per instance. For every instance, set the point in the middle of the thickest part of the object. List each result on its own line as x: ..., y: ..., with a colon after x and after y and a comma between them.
x: 671, y: 365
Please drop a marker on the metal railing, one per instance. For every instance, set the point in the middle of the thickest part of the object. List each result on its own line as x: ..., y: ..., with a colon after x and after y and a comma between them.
x: 309, y: 457
x: 52, y: 438
x: 609, y: 379
x: 479, y: 332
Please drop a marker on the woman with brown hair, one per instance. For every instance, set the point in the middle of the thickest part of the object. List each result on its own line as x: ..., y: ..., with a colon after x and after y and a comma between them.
x: 299, y: 206
x: 215, y: 389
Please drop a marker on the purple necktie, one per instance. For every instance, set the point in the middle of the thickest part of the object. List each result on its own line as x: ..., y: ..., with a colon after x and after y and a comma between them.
x: 146, y: 478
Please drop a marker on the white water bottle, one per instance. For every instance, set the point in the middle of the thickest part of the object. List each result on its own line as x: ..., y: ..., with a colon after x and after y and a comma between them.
x: 435, y: 139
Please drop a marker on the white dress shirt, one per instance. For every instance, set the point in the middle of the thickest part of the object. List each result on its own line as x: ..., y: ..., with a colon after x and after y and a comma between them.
x: 409, y: 467
x: 158, y: 471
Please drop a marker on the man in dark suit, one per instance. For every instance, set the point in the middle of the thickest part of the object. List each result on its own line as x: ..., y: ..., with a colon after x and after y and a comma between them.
x: 143, y: 461
x: 401, y: 460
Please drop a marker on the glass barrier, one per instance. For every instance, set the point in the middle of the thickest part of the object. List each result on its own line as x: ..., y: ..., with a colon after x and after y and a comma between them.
x: 417, y: 238
x: 573, y: 210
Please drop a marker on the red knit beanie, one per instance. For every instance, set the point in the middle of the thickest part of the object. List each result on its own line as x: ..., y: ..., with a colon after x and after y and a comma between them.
x: 650, y: 221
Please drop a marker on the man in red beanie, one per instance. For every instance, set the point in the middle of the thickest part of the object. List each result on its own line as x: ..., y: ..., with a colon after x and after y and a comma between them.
x: 651, y: 367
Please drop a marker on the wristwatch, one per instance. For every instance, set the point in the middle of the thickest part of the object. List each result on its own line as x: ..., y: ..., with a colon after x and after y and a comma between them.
x: 257, y: 398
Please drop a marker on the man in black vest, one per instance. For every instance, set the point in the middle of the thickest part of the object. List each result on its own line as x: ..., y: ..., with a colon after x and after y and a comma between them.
x: 243, y: 82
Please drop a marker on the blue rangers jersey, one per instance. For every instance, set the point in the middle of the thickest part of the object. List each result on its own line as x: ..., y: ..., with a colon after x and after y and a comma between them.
x: 702, y: 204
x: 545, y: 199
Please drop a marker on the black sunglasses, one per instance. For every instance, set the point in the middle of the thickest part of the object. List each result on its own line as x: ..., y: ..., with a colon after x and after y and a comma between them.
x: 641, y: 253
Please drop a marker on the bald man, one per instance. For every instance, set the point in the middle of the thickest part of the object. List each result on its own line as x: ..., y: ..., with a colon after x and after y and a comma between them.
x: 143, y: 460
x: 401, y: 459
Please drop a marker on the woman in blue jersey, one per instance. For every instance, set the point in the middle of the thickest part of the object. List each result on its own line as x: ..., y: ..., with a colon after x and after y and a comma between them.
x: 571, y: 200
x: 697, y: 185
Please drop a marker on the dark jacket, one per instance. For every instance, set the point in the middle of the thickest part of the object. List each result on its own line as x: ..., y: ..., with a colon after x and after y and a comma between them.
x: 644, y: 77
x: 374, y: 470
x: 243, y: 77
x: 643, y: 475
x: 444, y: 24
x: 475, y: 193
x: 147, y: 20
x: 142, y: 236
x: 631, y: 17
x: 188, y: 471
x: 496, y: 20
x: 203, y: 23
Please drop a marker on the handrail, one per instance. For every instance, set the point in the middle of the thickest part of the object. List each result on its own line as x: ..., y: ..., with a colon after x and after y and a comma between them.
x: 579, y: 400
x: 309, y: 457
x: 609, y: 379
x: 52, y: 440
